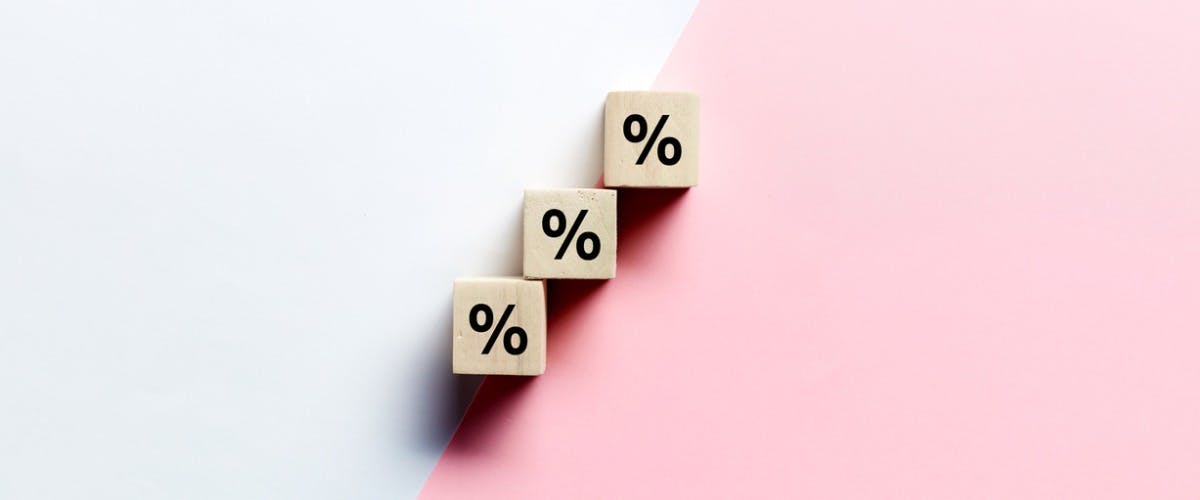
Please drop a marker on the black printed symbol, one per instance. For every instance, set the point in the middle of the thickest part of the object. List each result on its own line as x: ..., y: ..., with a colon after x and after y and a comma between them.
x: 486, y: 324
x: 555, y: 216
x: 640, y: 121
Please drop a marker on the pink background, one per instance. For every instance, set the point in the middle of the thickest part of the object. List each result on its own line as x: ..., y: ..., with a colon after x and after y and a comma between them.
x: 938, y: 250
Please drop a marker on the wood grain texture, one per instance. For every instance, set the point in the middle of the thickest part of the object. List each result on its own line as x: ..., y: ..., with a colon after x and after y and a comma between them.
x: 621, y: 168
x: 545, y: 256
x: 528, y: 298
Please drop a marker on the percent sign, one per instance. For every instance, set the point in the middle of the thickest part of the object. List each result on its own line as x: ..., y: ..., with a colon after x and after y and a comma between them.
x: 486, y: 324
x: 555, y: 214
x: 662, y: 145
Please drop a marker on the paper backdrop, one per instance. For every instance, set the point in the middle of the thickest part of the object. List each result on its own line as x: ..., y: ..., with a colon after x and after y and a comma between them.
x: 228, y: 230
x: 938, y: 250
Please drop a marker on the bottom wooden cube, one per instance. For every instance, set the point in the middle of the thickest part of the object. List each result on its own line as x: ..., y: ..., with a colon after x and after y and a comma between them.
x: 499, y: 326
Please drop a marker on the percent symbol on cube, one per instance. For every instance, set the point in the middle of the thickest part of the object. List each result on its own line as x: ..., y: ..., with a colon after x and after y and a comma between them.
x: 630, y: 136
x: 486, y: 324
x: 554, y: 215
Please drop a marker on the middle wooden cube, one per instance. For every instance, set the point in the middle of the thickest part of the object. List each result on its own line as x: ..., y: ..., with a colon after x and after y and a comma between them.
x: 570, y: 233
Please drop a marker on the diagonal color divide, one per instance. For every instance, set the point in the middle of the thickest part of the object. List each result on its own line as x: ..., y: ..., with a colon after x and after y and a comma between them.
x: 228, y: 230
x: 942, y: 250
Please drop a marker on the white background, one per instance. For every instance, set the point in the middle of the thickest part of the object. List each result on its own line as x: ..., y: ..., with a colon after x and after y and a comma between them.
x: 228, y: 230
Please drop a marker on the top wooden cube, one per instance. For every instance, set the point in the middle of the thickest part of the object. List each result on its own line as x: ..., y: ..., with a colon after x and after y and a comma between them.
x: 651, y: 139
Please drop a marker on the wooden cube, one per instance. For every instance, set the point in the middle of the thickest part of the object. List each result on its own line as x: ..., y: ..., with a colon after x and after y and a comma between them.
x: 570, y: 233
x: 651, y: 139
x: 499, y: 326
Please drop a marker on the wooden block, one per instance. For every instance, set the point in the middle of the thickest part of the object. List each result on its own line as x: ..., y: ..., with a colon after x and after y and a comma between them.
x: 499, y: 326
x: 570, y: 233
x: 651, y: 139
